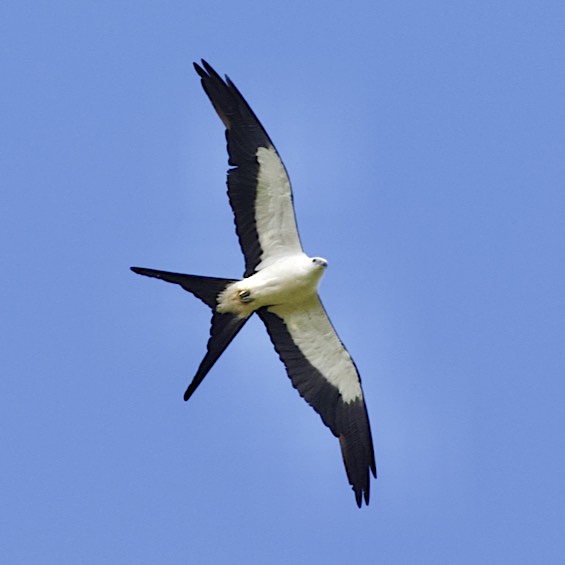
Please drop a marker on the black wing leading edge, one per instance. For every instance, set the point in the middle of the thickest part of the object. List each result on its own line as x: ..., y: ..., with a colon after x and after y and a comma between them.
x: 244, y: 135
x: 348, y: 421
x: 265, y: 225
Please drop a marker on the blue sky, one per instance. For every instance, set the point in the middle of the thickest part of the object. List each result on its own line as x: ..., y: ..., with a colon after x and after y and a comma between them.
x: 425, y: 142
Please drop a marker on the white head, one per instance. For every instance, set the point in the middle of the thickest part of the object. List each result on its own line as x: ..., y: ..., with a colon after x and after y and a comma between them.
x: 320, y: 262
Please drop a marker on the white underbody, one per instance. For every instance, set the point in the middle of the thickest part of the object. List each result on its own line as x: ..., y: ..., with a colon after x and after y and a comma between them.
x: 286, y: 281
x: 290, y: 280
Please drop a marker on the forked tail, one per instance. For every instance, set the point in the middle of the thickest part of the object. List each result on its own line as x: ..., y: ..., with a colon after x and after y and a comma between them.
x: 224, y: 327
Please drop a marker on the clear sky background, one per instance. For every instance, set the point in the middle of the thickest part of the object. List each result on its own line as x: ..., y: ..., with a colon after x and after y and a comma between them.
x: 426, y: 146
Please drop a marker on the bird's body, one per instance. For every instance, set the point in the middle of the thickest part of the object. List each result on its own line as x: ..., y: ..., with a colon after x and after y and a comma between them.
x: 280, y: 284
x: 286, y: 282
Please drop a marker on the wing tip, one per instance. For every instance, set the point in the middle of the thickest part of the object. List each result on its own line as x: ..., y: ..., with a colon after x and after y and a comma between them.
x: 204, y: 69
x: 200, y: 71
x: 206, y: 72
x: 217, y: 89
x: 362, y: 494
x: 357, y: 451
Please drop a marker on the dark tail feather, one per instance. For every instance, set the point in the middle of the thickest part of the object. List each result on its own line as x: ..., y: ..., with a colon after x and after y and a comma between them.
x: 205, y: 288
x: 224, y: 328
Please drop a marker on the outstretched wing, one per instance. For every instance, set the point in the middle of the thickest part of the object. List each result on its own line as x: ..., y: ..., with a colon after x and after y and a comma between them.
x: 325, y: 375
x: 258, y: 185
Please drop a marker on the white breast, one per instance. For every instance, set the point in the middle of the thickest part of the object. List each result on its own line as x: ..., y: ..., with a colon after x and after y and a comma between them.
x: 290, y: 280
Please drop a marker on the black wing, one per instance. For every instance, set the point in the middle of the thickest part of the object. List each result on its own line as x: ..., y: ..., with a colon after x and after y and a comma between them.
x: 324, y: 374
x: 258, y: 185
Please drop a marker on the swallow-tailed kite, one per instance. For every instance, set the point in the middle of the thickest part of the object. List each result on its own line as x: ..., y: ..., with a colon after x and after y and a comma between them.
x: 280, y: 284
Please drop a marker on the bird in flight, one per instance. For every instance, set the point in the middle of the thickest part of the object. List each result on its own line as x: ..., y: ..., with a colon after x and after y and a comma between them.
x: 279, y: 284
